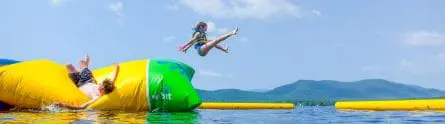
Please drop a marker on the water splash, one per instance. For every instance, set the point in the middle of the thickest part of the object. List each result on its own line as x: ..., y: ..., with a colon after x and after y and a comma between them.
x: 51, y: 108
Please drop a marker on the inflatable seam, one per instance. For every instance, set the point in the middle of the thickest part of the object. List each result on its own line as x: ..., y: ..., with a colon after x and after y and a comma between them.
x: 148, y: 84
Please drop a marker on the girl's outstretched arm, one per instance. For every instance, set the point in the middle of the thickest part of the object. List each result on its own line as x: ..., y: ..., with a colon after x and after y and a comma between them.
x: 190, y: 43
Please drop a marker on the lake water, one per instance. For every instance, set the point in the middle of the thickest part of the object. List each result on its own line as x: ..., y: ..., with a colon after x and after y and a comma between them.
x: 325, y: 114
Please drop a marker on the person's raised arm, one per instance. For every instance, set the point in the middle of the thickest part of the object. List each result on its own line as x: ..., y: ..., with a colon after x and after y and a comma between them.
x: 115, y: 73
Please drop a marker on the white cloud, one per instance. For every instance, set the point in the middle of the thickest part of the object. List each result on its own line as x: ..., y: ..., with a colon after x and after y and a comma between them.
x: 214, y: 74
x: 316, y: 12
x: 117, y: 8
x: 211, y: 27
x: 209, y: 73
x: 427, y: 63
x: 168, y: 39
x: 423, y: 38
x: 57, y: 3
x: 259, y: 9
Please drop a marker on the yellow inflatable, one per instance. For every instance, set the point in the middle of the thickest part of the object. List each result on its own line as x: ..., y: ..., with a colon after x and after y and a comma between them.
x: 221, y: 105
x: 141, y: 85
x: 130, y: 92
x: 393, y: 105
x: 38, y: 83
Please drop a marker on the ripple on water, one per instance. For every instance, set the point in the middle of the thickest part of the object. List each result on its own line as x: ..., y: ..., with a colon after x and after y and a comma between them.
x: 318, y: 114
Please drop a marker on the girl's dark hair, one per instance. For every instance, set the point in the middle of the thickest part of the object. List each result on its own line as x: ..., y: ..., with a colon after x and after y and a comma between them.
x: 197, y: 26
x: 108, y: 86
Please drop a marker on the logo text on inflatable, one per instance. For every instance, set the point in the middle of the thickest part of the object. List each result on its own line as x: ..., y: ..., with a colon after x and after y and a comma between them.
x: 164, y: 94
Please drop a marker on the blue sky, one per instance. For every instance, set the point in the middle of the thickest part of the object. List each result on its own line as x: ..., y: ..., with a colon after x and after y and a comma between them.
x: 279, y: 42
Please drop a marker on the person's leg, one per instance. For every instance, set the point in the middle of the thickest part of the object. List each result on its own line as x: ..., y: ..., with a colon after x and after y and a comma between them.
x: 208, y: 46
x: 226, y: 50
x: 73, y: 73
x: 86, y: 76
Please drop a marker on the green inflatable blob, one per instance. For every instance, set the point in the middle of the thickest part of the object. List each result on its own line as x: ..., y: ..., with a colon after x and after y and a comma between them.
x: 170, y: 87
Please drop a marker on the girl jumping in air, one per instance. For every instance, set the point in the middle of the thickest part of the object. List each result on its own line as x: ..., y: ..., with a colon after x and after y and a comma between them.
x: 202, y: 45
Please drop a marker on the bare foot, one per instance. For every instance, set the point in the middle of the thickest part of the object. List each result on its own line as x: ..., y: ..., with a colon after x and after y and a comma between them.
x: 87, y: 60
x: 226, y: 49
x: 234, y: 31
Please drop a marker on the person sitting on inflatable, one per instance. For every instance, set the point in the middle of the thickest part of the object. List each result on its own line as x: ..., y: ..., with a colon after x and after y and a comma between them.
x: 87, y: 84
x: 202, y: 44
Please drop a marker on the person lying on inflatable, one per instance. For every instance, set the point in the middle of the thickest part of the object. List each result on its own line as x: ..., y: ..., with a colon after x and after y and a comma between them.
x: 86, y: 82
x: 202, y: 44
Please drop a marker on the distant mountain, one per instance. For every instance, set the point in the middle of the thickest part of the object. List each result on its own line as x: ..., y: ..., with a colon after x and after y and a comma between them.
x: 258, y: 90
x: 326, y: 90
x: 235, y: 95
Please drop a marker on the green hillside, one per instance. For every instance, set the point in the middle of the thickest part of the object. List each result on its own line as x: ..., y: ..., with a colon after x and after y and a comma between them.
x: 325, y: 92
